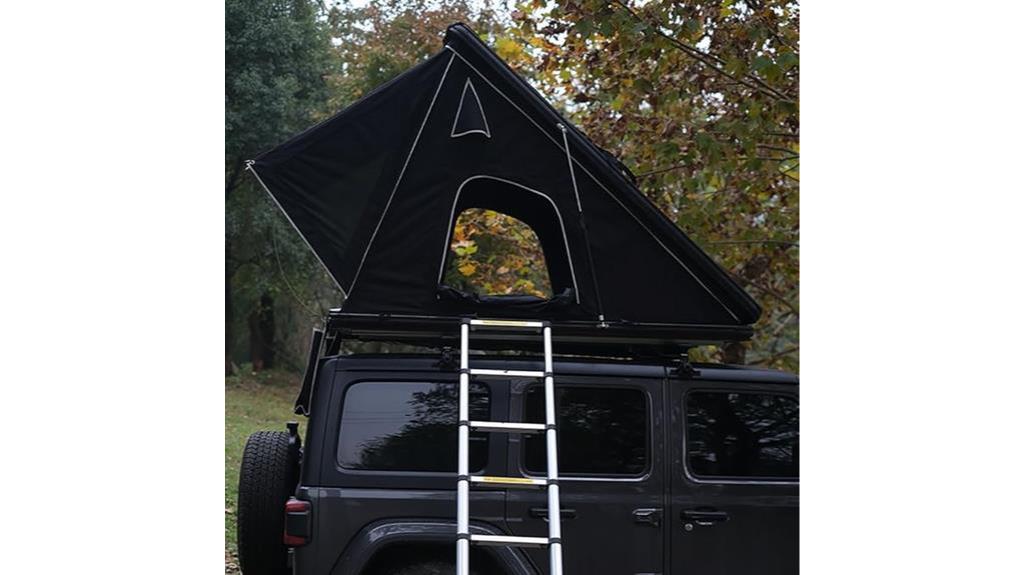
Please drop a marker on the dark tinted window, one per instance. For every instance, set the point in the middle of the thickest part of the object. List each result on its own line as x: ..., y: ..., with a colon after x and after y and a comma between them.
x: 742, y: 434
x: 409, y: 427
x: 601, y: 431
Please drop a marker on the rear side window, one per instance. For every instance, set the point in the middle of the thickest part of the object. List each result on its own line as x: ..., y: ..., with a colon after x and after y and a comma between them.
x: 601, y: 431
x: 742, y: 435
x: 409, y: 426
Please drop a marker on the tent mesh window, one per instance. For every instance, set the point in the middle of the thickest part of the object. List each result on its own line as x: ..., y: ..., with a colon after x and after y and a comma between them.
x: 491, y: 253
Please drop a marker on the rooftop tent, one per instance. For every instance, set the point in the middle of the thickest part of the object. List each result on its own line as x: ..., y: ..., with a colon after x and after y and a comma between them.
x: 375, y: 191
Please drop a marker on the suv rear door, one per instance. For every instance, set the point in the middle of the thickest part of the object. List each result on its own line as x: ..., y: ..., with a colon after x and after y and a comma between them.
x: 387, y: 450
x: 735, y: 477
x: 611, y: 473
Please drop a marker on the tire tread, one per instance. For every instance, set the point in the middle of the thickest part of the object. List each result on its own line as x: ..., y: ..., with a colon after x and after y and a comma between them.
x: 266, y: 480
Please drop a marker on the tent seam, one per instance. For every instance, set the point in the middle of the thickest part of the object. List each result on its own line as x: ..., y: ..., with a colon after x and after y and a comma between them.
x: 401, y: 174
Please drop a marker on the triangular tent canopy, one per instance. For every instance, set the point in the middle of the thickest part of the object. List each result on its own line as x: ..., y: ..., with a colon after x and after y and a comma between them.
x: 376, y: 189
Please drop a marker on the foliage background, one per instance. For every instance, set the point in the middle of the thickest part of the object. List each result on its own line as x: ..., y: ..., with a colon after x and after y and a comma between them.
x: 699, y: 99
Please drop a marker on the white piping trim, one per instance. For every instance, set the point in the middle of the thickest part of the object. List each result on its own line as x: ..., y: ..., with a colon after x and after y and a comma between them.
x: 249, y: 166
x: 599, y: 183
x: 451, y: 222
x: 401, y: 174
x: 487, y: 130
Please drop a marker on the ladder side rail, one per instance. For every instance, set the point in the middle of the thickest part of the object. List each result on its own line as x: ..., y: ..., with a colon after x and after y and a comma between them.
x: 554, y: 506
x: 462, y: 505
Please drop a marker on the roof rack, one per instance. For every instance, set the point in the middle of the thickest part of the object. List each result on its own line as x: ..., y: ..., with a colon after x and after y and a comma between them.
x: 610, y: 338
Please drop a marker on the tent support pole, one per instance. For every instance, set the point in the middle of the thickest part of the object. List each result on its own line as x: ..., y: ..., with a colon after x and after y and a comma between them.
x: 583, y: 226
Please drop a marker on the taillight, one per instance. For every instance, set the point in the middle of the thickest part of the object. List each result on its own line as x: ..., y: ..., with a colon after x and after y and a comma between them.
x: 297, y: 522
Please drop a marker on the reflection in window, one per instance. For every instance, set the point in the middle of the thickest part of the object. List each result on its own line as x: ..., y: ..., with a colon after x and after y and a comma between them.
x: 601, y: 431
x: 742, y: 435
x: 409, y: 427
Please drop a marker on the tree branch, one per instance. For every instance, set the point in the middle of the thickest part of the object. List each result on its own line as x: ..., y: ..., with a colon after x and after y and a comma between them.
x: 779, y: 149
x: 679, y: 166
x: 785, y: 317
x: 236, y: 172
x: 660, y: 171
x: 709, y: 60
x: 775, y: 356
x: 780, y: 242
x: 768, y: 290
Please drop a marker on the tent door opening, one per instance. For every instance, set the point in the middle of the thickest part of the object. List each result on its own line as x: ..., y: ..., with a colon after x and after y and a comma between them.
x: 493, y: 253
x: 537, y: 211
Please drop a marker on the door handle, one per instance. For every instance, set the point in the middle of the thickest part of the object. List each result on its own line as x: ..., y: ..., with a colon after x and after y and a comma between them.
x: 650, y: 517
x: 704, y: 517
x: 542, y: 513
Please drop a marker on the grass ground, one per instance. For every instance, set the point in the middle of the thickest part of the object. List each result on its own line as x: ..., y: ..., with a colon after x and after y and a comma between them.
x: 253, y: 402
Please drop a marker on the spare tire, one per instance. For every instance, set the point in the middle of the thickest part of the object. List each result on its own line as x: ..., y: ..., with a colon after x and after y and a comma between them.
x: 267, y: 479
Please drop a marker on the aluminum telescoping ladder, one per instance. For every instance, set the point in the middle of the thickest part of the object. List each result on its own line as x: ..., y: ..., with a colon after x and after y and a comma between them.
x: 554, y: 539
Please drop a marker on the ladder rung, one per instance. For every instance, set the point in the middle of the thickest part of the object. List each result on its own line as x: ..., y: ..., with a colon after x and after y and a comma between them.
x: 506, y: 372
x: 506, y: 323
x: 507, y: 426
x: 508, y: 481
x: 509, y: 540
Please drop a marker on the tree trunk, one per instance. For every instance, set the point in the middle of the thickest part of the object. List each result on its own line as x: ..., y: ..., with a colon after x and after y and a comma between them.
x: 233, y: 178
x: 229, y: 312
x: 261, y: 334
x: 734, y: 352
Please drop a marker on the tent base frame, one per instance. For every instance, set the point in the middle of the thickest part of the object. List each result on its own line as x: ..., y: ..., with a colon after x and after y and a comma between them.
x: 590, y: 338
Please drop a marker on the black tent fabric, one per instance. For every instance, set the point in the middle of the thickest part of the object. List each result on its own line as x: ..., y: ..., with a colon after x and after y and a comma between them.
x: 376, y: 189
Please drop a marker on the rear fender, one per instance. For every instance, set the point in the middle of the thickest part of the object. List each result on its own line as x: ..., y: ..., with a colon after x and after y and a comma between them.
x: 377, y: 536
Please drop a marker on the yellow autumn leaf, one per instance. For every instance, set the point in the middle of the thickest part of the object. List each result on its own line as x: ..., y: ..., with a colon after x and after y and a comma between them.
x: 508, y: 48
x: 467, y: 269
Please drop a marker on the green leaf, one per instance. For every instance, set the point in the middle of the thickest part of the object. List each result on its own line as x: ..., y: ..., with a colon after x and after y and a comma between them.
x: 584, y: 28
x: 788, y: 60
x: 704, y: 141
x: 736, y: 66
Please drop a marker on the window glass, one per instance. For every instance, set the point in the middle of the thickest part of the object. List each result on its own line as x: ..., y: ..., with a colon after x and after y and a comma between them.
x: 601, y: 431
x: 409, y: 427
x: 742, y: 435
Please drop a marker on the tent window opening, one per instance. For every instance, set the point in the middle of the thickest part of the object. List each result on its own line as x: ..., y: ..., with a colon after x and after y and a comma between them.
x: 491, y: 253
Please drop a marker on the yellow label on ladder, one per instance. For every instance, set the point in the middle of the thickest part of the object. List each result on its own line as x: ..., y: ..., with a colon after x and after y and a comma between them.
x: 519, y: 480
x: 506, y: 323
